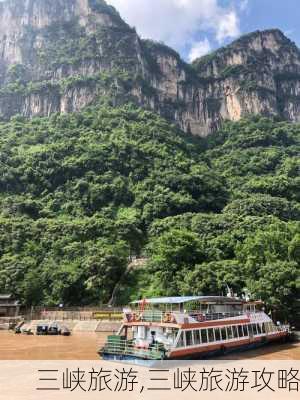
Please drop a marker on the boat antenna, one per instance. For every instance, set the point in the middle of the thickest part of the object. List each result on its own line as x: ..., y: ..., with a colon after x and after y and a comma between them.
x: 229, y: 291
x: 143, y: 304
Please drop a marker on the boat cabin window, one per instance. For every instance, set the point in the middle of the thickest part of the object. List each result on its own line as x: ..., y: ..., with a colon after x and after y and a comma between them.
x: 134, y: 331
x: 170, y: 334
x: 263, y: 328
x: 189, y: 338
x: 250, y: 329
x: 141, y: 332
x: 229, y: 332
x: 203, y: 336
x: 254, y: 328
x: 245, y: 329
x: 223, y: 333
x: 217, y: 334
x: 259, y: 329
x: 181, y: 342
x: 269, y: 327
x: 240, y: 331
x: 211, y: 336
x: 235, y: 331
x: 197, y: 338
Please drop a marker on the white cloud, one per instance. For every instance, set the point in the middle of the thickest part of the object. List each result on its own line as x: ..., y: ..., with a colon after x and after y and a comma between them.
x: 228, y: 27
x: 179, y: 22
x: 244, y: 5
x: 199, y: 49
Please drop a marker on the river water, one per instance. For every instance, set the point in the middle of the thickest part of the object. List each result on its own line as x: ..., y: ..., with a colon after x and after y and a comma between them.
x: 84, y: 346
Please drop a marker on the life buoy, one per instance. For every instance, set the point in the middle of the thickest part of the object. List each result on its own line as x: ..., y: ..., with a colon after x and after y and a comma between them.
x: 200, y: 317
x: 168, y: 318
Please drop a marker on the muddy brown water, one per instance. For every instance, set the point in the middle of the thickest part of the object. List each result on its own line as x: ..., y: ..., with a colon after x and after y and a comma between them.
x: 84, y: 346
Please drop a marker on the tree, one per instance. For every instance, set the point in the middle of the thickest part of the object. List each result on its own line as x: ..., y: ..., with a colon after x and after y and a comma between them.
x: 104, y: 267
x: 172, y: 253
x: 278, y: 285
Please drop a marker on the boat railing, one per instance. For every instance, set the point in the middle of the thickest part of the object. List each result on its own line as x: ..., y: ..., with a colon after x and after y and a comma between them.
x: 129, y: 348
x: 284, y: 328
x: 176, y: 316
x: 150, y: 316
x: 202, y: 316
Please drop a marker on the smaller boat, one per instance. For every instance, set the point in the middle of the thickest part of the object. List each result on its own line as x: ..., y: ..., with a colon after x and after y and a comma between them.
x: 65, y: 331
x: 42, y: 330
x: 18, y: 327
x: 53, y: 329
x: 22, y: 329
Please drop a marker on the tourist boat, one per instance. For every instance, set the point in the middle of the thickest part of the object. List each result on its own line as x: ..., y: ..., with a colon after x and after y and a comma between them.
x: 192, y: 327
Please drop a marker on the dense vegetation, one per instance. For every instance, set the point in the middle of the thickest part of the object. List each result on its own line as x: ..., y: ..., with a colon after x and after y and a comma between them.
x: 82, y: 193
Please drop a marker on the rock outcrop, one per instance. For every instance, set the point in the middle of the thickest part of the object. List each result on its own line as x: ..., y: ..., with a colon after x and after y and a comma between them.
x: 62, y: 55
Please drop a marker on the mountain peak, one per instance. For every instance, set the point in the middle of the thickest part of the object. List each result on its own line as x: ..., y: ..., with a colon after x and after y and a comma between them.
x: 15, y: 14
x: 272, y: 40
x: 266, y: 39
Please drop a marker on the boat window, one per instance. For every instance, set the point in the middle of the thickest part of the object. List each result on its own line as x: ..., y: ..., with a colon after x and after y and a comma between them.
x: 254, y: 328
x: 203, y: 336
x: 258, y: 328
x: 211, y: 336
x: 271, y: 326
x: 170, y: 334
x: 245, y: 329
x: 217, y: 334
x: 180, y: 342
x: 263, y: 328
x: 189, y: 338
x: 223, y: 333
x: 240, y: 330
x: 197, y: 338
x: 141, y: 332
x: 229, y: 332
x: 250, y: 329
x: 134, y: 331
x: 235, y: 331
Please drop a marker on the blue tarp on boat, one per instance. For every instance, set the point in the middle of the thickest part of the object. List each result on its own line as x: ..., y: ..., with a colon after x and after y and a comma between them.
x: 186, y: 299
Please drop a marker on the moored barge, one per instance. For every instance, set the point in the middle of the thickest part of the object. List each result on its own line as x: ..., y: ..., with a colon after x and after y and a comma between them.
x: 191, y: 327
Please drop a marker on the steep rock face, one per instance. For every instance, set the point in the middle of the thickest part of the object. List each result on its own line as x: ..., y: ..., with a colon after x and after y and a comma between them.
x: 259, y: 73
x: 59, y: 55
x: 62, y: 55
x: 23, y: 23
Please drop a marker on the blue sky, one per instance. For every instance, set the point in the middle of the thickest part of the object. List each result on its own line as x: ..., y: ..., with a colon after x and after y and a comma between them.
x: 282, y: 14
x: 196, y: 27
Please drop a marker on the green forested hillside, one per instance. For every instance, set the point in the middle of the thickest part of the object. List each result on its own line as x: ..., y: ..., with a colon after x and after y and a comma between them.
x: 254, y: 243
x: 81, y: 193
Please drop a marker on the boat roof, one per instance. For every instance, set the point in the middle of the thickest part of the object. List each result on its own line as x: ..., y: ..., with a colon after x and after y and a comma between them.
x: 186, y: 299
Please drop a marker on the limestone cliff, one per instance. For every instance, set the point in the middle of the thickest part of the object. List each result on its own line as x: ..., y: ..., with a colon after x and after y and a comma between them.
x: 257, y: 74
x: 62, y: 55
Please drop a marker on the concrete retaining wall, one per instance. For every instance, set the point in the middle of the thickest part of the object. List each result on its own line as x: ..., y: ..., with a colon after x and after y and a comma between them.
x: 108, y: 326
